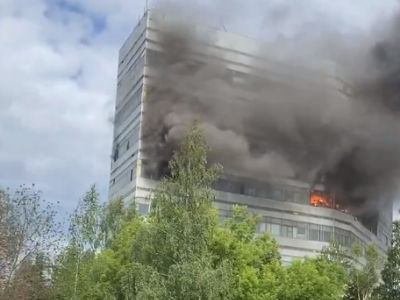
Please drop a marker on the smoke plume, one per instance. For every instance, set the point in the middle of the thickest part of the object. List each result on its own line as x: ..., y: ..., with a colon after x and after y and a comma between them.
x: 290, y: 117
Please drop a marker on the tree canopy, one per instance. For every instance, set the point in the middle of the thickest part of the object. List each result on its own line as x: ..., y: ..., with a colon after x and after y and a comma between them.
x: 182, y: 251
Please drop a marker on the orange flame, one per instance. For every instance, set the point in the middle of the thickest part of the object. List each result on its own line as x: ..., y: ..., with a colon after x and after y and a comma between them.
x: 318, y: 200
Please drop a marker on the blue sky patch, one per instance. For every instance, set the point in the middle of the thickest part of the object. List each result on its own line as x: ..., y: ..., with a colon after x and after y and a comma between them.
x: 55, y: 7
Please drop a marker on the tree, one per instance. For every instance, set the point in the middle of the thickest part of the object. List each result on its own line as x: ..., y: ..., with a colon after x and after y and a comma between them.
x: 336, y: 253
x: 113, y: 265
x: 171, y: 253
x: 256, y: 270
x: 92, y: 228
x: 390, y: 287
x: 181, y: 251
x: 28, y: 228
x: 313, y: 279
x: 362, y: 265
x: 31, y: 280
x: 364, y: 280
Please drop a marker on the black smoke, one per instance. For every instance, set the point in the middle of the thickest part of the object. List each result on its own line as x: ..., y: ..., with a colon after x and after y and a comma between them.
x: 281, y: 121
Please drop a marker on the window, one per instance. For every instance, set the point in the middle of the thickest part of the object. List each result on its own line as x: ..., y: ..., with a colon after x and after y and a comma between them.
x: 326, y: 233
x: 277, y: 195
x: 344, y: 237
x: 143, y: 208
x: 289, y: 196
x: 275, y: 221
x: 227, y: 186
x: 234, y: 187
x: 131, y: 138
x: 136, y: 68
x: 264, y: 190
x: 275, y: 229
x: 300, y: 198
x: 147, y: 170
x: 131, y: 175
x: 122, y: 179
x: 314, y: 232
x: 261, y: 227
x: 348, y: 240
x: 306, y: 231
x: 128, y: 86
x: 287, y: 231
x: 339, y: 238
x: 116, y: 153
x: 128, y: 107
x: 133, y: 56
x: 133, y: 47
x: 250, y: 190
x: 301, y: 232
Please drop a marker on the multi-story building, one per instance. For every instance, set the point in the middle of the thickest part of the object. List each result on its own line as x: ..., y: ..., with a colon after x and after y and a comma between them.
x: 303, y: 221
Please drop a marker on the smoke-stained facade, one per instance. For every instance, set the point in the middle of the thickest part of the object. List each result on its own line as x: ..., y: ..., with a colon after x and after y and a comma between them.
x: 168, y: 78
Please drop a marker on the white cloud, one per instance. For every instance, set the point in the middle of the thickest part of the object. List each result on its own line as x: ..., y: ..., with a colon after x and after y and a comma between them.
x: 58, y: 78
x: 54, y: 90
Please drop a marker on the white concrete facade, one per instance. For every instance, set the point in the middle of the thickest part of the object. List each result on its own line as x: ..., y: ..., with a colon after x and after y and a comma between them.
x: 300, y: 229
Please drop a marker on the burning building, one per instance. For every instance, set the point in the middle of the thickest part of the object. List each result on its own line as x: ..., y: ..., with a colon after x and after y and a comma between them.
x: 282, y: 127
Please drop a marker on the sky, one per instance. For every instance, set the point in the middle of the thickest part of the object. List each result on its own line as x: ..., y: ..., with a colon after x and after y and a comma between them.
x: 58, y: 62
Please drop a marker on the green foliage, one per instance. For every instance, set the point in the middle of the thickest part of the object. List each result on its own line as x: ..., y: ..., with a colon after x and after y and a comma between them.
x: 313, y: 279
x: 362, y: 277
x: 28, y: 233
x: 181, y: 251
x: 390, y: 287
x: 81, y: 271
x: 256, y: 270
x: 172, y: 249
x: 363, y: 280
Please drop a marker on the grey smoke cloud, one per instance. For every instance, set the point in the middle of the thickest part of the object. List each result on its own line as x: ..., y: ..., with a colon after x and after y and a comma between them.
x: 282, y: 126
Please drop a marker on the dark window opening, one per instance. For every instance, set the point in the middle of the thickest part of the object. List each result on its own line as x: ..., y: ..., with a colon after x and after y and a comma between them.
x: 116, y: 153
x: 148, y: 172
